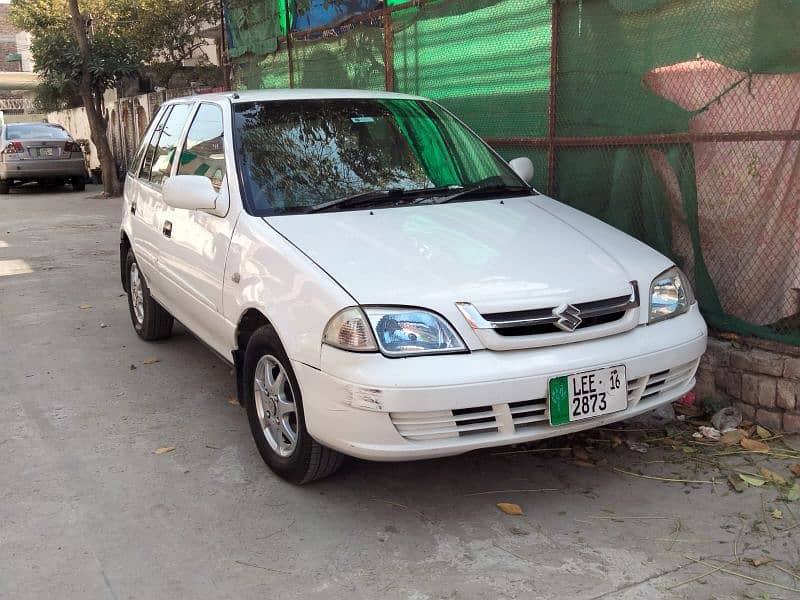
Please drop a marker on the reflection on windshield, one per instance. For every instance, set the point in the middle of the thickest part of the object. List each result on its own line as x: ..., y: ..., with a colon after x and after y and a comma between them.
x: 301, y: 153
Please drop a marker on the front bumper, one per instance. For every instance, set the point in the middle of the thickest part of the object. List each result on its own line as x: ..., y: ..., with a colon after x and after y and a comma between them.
x: 376, y: 408
x: 43, y: 168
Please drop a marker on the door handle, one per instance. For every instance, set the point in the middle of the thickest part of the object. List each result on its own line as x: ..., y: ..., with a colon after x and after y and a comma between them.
x: 133, y: 207
x: 167, y: 231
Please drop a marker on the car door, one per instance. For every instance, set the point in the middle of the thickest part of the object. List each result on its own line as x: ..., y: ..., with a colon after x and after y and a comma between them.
x: 137, y: 194
x: 149, y: 208
x: 193, y: 257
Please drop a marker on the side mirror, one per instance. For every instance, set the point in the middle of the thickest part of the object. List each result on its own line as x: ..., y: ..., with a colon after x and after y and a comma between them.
x: 192, y: 192
x: 523, y: 167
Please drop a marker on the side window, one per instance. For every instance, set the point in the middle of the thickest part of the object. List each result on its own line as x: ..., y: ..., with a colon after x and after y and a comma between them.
x: 144, y: 144
x: 152, y: 144
x: 167, y: 144
x: 204, y: 153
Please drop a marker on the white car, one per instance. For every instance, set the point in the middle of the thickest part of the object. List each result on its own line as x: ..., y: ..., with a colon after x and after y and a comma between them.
x: 386, y: 286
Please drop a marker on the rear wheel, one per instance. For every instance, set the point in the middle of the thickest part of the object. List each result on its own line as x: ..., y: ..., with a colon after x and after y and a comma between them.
x: 78, y: 184
x: 150, y: 321
x: 5, y: 186
x: 275, y: 412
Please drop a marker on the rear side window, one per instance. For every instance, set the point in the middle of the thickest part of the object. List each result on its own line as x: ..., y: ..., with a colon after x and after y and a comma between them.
x: 144, y: 144
x: 204, y: 153
x: 167, y: 144
x: 36, y: 131
x: 149, y: 149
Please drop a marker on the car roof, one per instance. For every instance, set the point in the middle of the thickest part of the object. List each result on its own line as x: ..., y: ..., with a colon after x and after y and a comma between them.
x: 295, y: 94
x: 34, y: 123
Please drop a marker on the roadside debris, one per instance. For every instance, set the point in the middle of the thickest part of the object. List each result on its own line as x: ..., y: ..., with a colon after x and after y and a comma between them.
x: 727, y: 419
x: 636, y: 446
x: 711, y: 433
x: 164, y: 450
x: 151, y: 361
x: 85, y: 306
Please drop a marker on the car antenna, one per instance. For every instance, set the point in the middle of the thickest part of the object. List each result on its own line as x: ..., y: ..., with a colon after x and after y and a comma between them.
x: 235, y: 95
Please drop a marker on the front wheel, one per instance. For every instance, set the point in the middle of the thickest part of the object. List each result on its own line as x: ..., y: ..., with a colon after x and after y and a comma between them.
x: 150, y: 321
x: 275, y: 412
x: 5, y: 186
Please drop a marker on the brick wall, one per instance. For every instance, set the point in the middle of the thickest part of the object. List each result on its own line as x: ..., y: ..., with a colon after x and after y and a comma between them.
x: 763, y: 382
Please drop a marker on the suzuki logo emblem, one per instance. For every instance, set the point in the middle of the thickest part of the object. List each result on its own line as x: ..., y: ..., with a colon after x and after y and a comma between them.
x: 569, y: 317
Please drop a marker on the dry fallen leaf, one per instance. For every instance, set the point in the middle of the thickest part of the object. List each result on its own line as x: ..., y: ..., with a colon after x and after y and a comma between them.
x: 772, y: 476
x: 754, y: 445
x: 85, y: 306
x: 737, y: 484
x: 730, y: 336
x: 233, y: 400
x: 509, y: 508
x: 757, y: 562
x: 732, y: 438
x: 793, y: 493
x: 795, y: 469
x: 763, y: 432
x: 752, y: 479
x: 151, y: 361
x: 776, y: 513
x: 164, y: 450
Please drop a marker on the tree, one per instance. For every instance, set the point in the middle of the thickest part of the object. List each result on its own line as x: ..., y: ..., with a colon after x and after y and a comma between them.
x: 83, y: 53
x: 84, y: 47
x: 171, y: 31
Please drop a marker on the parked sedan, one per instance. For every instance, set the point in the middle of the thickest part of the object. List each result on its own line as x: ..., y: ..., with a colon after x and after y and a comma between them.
x: 41, y: 152
x: 386, y: 285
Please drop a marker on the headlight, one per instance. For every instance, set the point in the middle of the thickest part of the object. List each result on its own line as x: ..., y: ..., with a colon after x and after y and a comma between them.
x: 670, y: 295
x: 396, y: 331
x: 349, y: 330
x: 410, y: 331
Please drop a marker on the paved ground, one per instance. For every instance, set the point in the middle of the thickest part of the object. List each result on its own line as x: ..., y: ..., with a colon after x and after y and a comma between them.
x: 87, y: 510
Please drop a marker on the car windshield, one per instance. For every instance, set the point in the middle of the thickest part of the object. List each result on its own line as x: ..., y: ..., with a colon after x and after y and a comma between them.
x: 300, y: 154
x: 36, y: 131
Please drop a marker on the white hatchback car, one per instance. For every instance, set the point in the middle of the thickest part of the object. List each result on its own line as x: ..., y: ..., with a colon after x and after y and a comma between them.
x: 387, y: 286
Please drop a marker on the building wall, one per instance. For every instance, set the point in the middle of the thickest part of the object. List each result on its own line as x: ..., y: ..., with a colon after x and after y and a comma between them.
x: 8, y: 40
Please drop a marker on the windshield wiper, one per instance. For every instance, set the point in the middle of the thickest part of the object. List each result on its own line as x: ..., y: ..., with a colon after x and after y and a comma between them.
x: 479, y: 190
x: 371, y: 196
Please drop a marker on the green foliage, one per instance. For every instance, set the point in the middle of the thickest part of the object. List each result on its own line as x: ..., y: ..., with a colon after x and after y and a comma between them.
x: 114, y: 55
x: 125, y: 36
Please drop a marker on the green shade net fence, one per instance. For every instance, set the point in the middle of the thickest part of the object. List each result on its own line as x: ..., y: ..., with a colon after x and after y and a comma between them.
x: 677, y: 121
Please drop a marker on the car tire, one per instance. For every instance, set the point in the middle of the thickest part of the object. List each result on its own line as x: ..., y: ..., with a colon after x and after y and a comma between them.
x: 150, y: 321
x: 275, y: 412
x: 78, y: 184
x: 5, y: 186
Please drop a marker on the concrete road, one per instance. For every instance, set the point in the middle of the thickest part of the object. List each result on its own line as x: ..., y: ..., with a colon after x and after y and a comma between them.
x: 87, y: 510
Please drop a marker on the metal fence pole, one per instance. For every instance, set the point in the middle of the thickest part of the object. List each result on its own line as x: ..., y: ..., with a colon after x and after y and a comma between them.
x: 289, y: 43
x: 388, y: 51
x: 551, y: 109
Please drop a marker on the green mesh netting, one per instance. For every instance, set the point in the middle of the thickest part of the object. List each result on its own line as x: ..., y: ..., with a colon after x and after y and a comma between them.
x: 253, y: 27
x: 353, y: 60
x: 727, y: 212
x: 636, y: 67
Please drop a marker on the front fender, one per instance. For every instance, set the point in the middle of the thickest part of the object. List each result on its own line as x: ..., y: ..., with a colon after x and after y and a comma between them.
x: 264, y: 271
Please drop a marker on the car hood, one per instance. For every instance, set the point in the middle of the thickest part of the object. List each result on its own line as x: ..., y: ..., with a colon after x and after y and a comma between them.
x: 499, y: 255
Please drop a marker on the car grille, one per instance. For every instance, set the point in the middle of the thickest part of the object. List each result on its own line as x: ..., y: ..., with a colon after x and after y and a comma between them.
x: 543, y: 320
x: 526, y: 415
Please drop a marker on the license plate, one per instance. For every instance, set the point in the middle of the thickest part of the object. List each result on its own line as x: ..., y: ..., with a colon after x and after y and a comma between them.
x: 45, y: 152
x: 588, y: 394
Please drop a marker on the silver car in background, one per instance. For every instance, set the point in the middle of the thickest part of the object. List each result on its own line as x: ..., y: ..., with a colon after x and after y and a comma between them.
x: 41, y: 152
